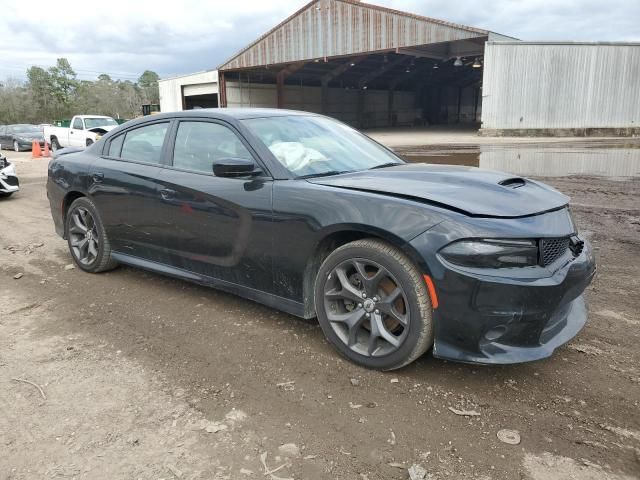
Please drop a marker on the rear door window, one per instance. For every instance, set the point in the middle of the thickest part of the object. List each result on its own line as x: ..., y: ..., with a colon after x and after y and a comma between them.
x: 144, y: 144
x: 200, y: 144
x: 116, y: 146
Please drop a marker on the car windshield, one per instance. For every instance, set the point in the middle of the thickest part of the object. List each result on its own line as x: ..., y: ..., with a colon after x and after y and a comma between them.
x: 26, y: 129
x: 99, y: 122
x: 316, y: 146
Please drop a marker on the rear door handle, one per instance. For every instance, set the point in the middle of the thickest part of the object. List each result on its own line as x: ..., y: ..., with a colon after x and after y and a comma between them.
x: 167, y: 194
x: 97, y: 177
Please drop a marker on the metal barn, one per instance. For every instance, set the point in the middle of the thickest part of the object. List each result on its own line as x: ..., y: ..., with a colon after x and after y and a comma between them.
x: 366, y: 65
x: 372, y: 67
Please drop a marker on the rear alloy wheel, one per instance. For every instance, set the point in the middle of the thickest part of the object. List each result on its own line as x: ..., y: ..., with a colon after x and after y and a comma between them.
x: 55, y: 146
x: 88, y: 244
x: 16, y: 146
x: 373, y: 305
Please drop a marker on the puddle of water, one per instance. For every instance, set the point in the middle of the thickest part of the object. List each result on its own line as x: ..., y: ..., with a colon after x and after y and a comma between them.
x: 615, y: 160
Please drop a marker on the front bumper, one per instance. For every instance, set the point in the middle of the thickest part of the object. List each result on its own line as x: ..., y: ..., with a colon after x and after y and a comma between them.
x: 8, y: 180
x: 503, y: 319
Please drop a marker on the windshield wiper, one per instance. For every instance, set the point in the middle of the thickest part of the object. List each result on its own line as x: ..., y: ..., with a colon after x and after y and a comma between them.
x: 385, y: 165
x: 325, y: 174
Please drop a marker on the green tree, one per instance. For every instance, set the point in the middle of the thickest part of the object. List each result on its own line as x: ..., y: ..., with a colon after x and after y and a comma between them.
x: 63, y: 81
x: 148, y: 83
x: 39, y: 85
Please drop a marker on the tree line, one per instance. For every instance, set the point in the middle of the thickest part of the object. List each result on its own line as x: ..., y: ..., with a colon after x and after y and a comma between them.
x: 56, y: 93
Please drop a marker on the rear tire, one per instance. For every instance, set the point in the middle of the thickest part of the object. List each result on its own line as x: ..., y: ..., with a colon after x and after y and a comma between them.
x: 87, y: 240
x: 6, y: 194
x: 16, y: 146
x: 55, y: 146
x: 373, y: 306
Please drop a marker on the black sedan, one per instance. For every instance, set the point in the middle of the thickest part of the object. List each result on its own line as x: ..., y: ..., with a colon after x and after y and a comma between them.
x: 304, y: 214
x: 20, y: 136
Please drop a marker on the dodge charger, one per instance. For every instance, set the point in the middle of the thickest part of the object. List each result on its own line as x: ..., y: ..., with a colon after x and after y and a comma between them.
x: 309, y: 216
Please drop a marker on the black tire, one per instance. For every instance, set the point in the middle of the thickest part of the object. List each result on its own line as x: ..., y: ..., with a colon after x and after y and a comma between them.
x: 405, y: 317
x: 77, y: 224
x: 55, y: 146
x: 89, y: 142
x: 16, y: 146
x: 6, y: 194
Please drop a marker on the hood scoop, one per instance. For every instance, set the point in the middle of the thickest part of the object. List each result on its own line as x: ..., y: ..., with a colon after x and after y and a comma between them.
x: 515, y: 182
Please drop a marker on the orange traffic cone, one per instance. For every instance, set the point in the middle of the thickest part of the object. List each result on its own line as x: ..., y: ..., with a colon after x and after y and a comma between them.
x: 46, y: 152
x: 35, y: 149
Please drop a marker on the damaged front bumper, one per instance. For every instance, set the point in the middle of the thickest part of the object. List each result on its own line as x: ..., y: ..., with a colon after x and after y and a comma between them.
x: 513, y: 320
x: 9, y: 182
x: 495, y: 316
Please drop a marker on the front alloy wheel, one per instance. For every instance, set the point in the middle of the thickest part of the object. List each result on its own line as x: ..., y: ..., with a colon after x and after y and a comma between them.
x: 367, y: 307
x: 373, y: 305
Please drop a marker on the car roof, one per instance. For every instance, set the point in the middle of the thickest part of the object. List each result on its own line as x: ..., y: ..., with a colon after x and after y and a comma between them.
x: 93, y: 116
x: 231, y: 113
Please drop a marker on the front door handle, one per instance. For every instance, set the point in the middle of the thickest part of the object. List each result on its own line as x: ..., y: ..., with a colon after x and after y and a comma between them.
x: 97, y: 177
x: 167, y: 194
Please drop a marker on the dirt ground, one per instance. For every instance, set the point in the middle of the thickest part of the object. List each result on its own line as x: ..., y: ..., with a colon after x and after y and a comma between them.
x: 146, y: 377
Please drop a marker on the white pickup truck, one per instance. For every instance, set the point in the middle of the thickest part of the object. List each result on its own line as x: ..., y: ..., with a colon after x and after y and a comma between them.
x: 83, y: 131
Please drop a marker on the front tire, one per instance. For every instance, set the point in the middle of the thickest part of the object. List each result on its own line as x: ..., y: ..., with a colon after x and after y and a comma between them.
x: 373, y: 306
x: 88, y: 243
x: 89, y: 142
x: 16, y: 146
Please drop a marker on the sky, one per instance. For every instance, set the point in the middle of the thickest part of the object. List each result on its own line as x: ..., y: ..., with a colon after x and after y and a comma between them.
x: 124, y: 38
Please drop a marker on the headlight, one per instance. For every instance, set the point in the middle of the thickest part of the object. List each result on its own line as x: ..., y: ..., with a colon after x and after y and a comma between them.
x: 490, y: 253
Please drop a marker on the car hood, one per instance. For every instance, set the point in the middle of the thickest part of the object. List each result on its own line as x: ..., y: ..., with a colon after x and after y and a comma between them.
x: 469, y: 190
x: 104, y: 129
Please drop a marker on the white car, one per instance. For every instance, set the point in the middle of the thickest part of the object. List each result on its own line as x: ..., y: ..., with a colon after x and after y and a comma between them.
x: 84, y: 130
x: 8, y: 179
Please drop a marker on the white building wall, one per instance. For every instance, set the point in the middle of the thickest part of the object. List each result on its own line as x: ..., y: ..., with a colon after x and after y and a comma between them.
x: 171, y: 89
x: 342, y: 104
x: 561, y: 85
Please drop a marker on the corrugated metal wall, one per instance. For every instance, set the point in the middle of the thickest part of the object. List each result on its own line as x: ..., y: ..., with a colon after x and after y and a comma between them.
x: 328, y: 28
x: 342, y: 104
x: 561, y: 86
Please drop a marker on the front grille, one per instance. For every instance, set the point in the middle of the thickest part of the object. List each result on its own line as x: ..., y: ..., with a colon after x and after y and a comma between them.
x: 552, y: 249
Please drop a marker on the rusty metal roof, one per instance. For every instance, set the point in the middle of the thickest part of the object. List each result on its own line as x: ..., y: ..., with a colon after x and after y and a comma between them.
x: 334, y: 28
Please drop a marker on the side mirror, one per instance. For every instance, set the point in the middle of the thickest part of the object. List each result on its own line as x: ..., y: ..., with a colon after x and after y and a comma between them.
x: 235, y: 167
